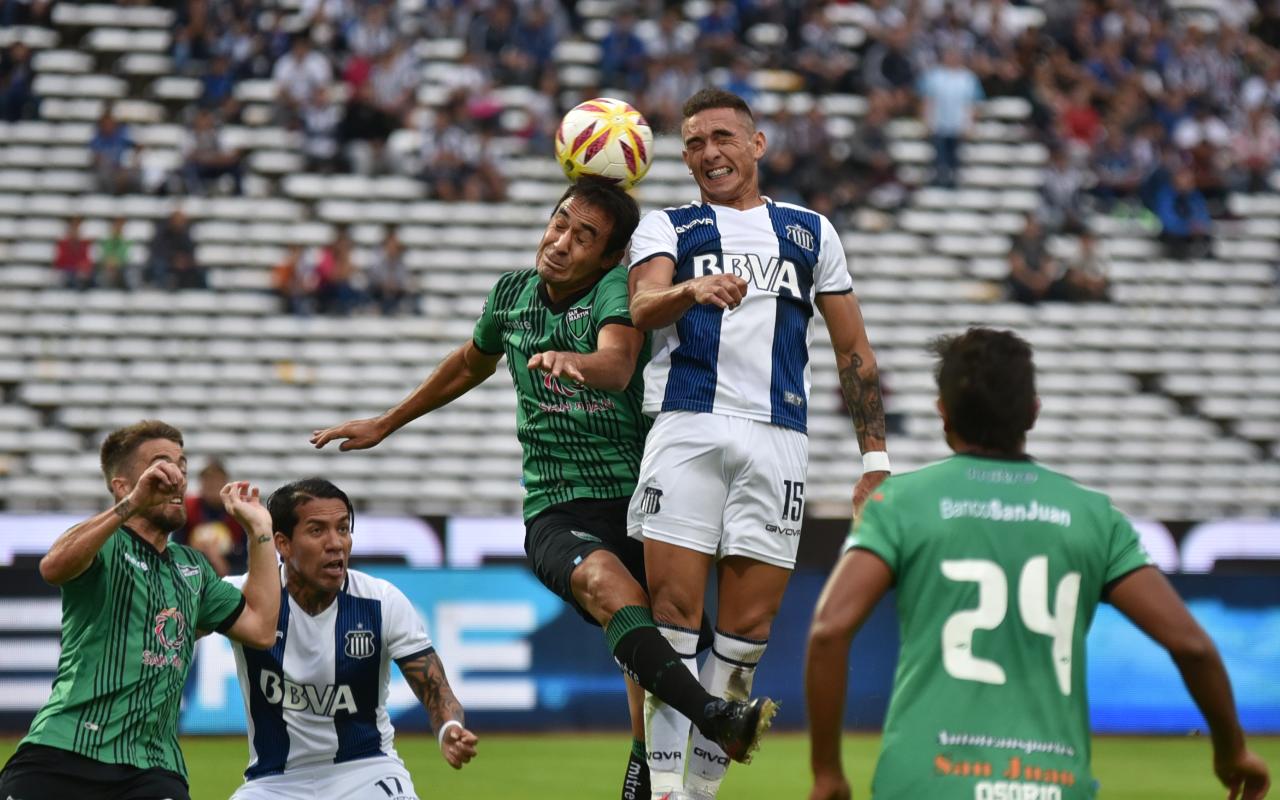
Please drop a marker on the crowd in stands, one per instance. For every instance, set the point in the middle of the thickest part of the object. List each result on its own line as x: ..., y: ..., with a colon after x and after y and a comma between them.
x: 337, y: 280
x: 1145, y: 113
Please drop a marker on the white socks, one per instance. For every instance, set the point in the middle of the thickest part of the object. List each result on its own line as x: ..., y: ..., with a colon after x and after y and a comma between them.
x: 728, y: 673
x: 667, y: 730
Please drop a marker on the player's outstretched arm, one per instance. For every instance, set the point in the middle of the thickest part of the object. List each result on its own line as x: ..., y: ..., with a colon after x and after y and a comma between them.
x: 461, y: 371
x: 256, y: 625
x: 609, y: 368
x: 858, y: 582
x: 73, y: 552
x: 426, y: 677
x: 656, y: 303
x: 859, y: 382
x: 1146, y: 597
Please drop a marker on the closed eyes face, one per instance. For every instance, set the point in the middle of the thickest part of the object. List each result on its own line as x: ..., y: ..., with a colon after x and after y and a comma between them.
x: 721, y: 149
x: 572, y: 252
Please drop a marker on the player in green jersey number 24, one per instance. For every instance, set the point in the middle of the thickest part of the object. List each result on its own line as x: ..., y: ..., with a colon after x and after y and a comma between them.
x: 572, y: 352
x: 998, y: 565
x: 133, y: 605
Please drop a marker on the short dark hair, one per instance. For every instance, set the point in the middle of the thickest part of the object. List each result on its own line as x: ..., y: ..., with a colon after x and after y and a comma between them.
x: 120, y: 445
x: 283, y: 502
x: 987, y: 382
x: 710, y: 97
x: 613, y: 200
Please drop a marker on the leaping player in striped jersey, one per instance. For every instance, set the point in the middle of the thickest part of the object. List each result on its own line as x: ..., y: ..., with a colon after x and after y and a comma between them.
x: 317, y: 700
x: 728, y: 284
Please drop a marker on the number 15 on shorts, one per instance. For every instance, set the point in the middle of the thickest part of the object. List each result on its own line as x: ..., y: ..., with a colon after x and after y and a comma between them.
x: 792, y: 501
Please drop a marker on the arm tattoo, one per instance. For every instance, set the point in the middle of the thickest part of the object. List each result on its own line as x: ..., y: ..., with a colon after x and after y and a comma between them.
x: 123, y: 509
x: 861, y: 388
x: 426, y: 677
x: 263, y: 539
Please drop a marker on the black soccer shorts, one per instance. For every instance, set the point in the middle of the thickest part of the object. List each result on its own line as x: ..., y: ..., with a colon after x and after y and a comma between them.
x: 37, y: 772
x: 561, y: 537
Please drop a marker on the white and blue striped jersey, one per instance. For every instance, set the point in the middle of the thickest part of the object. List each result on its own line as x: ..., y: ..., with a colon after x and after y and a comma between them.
x: 752, y: 361
x: 319, y: 696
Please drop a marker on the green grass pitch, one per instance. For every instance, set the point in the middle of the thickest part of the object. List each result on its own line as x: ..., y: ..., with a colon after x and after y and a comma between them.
x: 515, y: 767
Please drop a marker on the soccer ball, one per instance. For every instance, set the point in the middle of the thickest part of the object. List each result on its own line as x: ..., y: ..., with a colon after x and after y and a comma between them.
x: 606, y: 138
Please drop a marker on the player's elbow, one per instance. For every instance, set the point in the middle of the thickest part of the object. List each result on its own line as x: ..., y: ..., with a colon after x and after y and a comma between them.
x: 53, y: 570
x: 259, y: 633
x: 1192, y: 647
x: 828, y: 633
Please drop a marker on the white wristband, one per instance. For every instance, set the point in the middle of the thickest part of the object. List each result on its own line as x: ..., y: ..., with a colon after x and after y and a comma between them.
x: 876, y: 461
x: 446, y: 727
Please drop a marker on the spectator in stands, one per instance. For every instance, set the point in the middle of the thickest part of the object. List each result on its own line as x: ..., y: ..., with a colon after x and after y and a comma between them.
x: 874, y: 175
x: 740, y: 79
x: 171, y: 256
x: 113, y: 148
x: 298, y: 73
x: 394, y: 80
x: 1061, y: 192
x: 217, y: 89
x: 718, y: 34
x: 826, y: 64
x: 17, y: 77
x: 389, y: 277
x: 444, y: 154
x: 672, y: 38
x: 887, y: 69
x: 72, y: 257
x: 373, y: 34
x: 1087, y: 277
x: 1116, y: 170
x: 532, y: 46
x: 1255, y: 150
x: 950, y: 93
x: 210, y: 529
x: 113, y: 258
x: 321, y: 118
x: 623, y: 54
x: 1184, y: 217
x: 489, y: 33
x: 1080, y: 122
x: 206, y: 158
x: 289, y: 282
x: 1036, y: 276
x: 671, y: 81
x: 363, y: 132
x: 25, y: 12
x: 1204, y: 140
x: 339, y: 282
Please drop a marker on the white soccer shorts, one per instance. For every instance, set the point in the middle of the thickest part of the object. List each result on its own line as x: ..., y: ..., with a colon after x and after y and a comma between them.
x: 721, y: 485
x: 381, y: 778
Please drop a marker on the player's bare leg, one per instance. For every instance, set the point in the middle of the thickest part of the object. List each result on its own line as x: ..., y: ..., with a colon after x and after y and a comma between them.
x: 749, y: 594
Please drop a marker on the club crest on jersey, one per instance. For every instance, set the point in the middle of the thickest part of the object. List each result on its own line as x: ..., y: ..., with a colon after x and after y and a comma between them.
x: 651, y: 501
x: 800, y: 236
x: 579, y: 321
x: 360, y: 644
x: 552, y: 383
x: 777, y: 275
x: 171, y: 628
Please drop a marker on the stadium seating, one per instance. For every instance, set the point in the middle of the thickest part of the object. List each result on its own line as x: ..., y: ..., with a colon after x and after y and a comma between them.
x: 1168, y: 397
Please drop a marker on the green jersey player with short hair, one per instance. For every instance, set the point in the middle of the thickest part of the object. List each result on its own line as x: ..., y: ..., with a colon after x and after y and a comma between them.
x: 133, y: 605
x: 998, y: 565
x: 572, y: 352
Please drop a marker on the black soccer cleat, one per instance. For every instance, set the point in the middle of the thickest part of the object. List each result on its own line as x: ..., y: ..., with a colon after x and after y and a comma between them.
x: 737, y: 725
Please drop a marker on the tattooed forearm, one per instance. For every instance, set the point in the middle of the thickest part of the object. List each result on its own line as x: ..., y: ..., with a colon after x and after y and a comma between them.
x: 123, y: 509
x: 860, y: 384
x: 426, y: 677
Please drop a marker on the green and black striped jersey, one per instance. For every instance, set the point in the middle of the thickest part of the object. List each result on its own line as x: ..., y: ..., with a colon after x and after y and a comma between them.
x: 578, y: 442
x: 129, y: 626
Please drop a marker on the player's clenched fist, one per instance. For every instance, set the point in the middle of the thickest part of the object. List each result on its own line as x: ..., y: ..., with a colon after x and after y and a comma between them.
x: 458, y: 745
x: 242, y: 501
x: 1245, y: 776
x: 161, y: 483
x: 724, y: 291
x: 360, y: 434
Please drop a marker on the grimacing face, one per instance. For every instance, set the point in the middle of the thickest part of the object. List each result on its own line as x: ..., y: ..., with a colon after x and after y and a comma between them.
x: 572, y: 252
x: 320, y: 547
x: 168, y: 516
x: 721, y: 148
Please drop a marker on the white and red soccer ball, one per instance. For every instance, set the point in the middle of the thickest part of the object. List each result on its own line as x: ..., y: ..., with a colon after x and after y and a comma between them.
x: 606, y: 138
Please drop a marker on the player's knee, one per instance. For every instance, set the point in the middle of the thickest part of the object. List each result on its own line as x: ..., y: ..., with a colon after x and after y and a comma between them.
x: 675, y: 609
x: 601, y: 590
x: 753, y: 624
